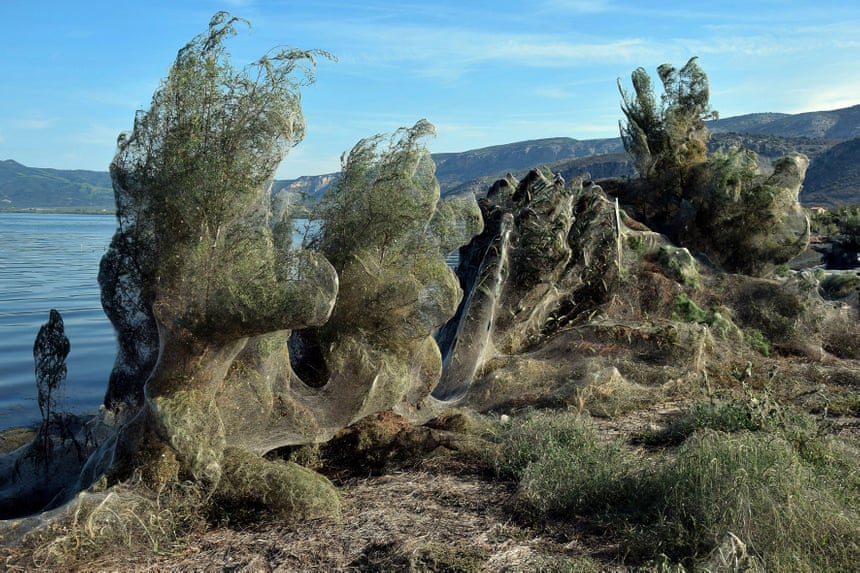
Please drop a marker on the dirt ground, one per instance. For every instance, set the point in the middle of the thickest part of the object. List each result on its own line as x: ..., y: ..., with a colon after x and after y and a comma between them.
x: 411, y: 520
x: 443, y: 514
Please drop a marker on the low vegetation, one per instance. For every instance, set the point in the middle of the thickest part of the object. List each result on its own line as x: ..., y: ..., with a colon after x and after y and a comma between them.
x: 748, y: 468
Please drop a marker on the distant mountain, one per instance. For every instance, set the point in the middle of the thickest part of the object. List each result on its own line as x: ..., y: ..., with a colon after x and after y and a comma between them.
x: 841, y: 123
x: 830, y: 139
x: 771, y: 147
x: 834, y: 177
x: 749, y: 123
x: 454, y: 169
x: 33, y: 187
x: 475, y: 170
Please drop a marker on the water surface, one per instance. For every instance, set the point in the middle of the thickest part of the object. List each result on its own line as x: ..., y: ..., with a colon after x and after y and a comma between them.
x: 51, y: 261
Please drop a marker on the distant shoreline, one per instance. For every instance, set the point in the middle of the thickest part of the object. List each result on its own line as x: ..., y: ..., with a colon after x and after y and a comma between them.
x: 61, y: 210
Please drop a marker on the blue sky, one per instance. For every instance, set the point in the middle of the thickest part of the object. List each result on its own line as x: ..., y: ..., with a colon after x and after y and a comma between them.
x: 485, y: 73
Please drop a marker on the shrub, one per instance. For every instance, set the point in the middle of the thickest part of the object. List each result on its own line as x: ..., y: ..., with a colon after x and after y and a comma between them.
x: 755, y: 411
x: 561, y: 463
x: 771, y: 482
x: 757, y: 341
x: 756, y: 486
x: 836, y: 286
x: 127, y: 518
x: 686, y: 309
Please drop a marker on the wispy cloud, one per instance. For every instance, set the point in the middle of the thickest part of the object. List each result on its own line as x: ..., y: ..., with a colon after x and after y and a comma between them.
x: 450, y: 53
x: 98, y: 134
x: 33, y: 123
x: 824, y: 97
x: 580, y: 6
x: 545, y: 52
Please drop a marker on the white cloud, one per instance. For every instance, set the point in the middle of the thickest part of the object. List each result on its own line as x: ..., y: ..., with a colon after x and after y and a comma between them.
x: 450, y: 54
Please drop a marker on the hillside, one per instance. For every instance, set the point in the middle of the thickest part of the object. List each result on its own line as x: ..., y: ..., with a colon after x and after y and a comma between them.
x: 841, y: 123
x: 24, y: 187
x: 832, y: 178
x: 454, y: 169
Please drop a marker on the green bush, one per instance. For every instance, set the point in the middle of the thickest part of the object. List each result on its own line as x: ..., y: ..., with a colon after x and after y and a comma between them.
x: 758, y: 487
x: 684, y: 308
x: 562, y: 465
x: 755, y: 411
x: 584, y: 475
x: 757, y: 341
x: 718, y: 319
x: 536, y: 435
x: 838, y: 286
x: 789, y: 495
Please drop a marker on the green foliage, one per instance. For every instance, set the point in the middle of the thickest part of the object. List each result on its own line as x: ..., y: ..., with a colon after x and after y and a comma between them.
x: 384, y: 196
x: 560, y: 462
x: 686, y: 309
x: 718, y: 319
x: 754, y: 411
x: 732, y: 173
x: 637, y: 245
x: 192, y: 173
x: 383, y: 227
x: 769, y: 479
x: 665, y: 139
x: 841, y: 223
x: 757, y: 340
x: 756, y: 486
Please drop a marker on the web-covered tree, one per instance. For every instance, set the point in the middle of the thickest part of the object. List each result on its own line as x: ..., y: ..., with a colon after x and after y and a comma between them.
x: 199, y: 265
x: 205, y: 291
x: 666, y: 139
x: 203, y: 268
x: 720, y: 204
x: 49, y: 354
x: 386, y: 231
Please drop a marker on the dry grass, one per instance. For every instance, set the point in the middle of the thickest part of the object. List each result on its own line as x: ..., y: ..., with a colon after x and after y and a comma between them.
x: 442, y: 513
x: 420, y: 519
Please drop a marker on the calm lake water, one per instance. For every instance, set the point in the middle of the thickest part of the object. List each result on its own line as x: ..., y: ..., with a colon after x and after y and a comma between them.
x: 52, y: 261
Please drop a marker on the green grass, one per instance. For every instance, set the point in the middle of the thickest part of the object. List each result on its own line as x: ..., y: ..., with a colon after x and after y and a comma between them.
x: 560, y: 462
x: 753, y: 411
x: 766, y: 477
